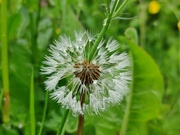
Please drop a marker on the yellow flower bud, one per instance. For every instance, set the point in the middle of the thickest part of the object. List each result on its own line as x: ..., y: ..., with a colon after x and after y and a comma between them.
x: 154, y: 7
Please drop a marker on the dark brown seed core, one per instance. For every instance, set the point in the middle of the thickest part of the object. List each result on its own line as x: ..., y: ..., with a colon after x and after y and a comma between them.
x: 88, y: 72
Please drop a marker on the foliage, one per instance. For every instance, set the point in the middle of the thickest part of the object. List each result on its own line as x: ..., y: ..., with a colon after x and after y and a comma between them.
x: 151, y: 108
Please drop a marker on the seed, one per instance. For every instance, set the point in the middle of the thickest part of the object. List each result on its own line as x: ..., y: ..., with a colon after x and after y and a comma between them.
x: 88, y: 73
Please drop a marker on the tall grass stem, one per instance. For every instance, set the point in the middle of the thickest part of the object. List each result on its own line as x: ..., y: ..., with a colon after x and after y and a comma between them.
x: 5, y: 67
x: 32, y: 109
x: 143, y: 23
x: 127, y: 110
x: 62, y: 124
x: 44, y: 114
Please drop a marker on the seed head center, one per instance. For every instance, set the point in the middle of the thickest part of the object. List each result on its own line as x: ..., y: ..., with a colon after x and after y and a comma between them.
x: 87, y: 72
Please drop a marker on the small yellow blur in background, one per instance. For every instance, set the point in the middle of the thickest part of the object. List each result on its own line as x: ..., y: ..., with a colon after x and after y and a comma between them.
x: 58, y: 30
x: 154, y: 7
x: 178, y: 25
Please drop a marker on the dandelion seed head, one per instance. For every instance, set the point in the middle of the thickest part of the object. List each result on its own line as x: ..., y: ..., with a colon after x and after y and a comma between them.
x: 91, y: 85
x: 87, y: 72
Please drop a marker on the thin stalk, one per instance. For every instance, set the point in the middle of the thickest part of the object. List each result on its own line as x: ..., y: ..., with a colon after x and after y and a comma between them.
x: 98, y: 40
x: 44, y: 114
x: 1, y: 97
x: 126, y: 115
x: 120, y: 8
x: 80, y: 124
x: 81, y: 116
x: 33, y: 40
x: 38, y: 18
x: 5, y: 72
x: 113, y: 13
x: 108, y: 8
x: 32, y: 110
x: 34, y: 24
x: 142, y: 23
x: 33, y: 29
x: 114, y: 7
x: 62, y: 124
x: 127, y: 111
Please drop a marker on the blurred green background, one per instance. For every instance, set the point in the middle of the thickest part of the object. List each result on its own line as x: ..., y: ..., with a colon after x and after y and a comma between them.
x: 33, y: 25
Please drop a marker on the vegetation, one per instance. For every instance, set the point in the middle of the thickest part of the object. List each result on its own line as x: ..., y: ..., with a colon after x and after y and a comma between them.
x: 148, y: 30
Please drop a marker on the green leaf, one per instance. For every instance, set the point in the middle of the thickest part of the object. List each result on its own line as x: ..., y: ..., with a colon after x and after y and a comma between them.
x: 13, y: 25
x: 7, y: 130
x: 132, y: 34
x: 144, y: 101
x: 20, y: 71
x: 88, y: 130
x: 108, y: 122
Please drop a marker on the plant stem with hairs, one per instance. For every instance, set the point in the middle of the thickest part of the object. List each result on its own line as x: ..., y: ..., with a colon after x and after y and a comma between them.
x: 110, y: 15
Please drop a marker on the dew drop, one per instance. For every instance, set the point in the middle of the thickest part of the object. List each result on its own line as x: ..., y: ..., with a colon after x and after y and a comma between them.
x: 74, y: 101
x: 95, y: 82
x: 80, y: 40
x: 20, y: 125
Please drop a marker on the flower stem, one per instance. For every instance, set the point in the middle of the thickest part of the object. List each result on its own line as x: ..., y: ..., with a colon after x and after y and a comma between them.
x: 81, y: 116
x: 98, y: 40
x: 80, y: 124
x: 120, y: 8
x: 62, y: 124
x: 5, y: 72
x: 32, y: 110
x: 102, y: 32
x: 142, y: 23
x: 113, y: 13
x: 44, y: 114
